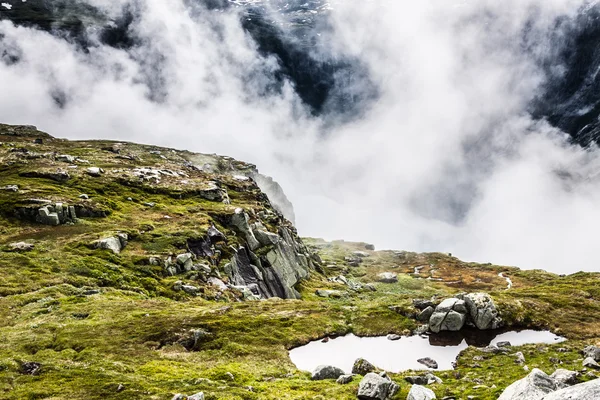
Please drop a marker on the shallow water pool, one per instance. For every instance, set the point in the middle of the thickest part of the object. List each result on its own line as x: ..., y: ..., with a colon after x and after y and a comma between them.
x: 401, y: 355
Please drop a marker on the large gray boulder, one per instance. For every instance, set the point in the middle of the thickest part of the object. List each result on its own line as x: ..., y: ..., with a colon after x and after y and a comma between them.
x: 449, y: 315
x: 376, y: 387
x: 418, y: 392
x: 533, y: 387
x: 583, y: 391
x: 482, y: 311
x: 326, y: 372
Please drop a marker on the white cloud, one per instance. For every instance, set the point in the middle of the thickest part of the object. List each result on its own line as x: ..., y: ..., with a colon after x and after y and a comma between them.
x: 446, y: 159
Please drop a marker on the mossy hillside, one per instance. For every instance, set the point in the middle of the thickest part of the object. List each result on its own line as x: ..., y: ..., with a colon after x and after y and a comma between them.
x: 130, y: 329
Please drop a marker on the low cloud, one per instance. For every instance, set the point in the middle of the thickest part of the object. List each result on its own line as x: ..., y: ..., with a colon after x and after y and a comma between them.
x: 442, y: 156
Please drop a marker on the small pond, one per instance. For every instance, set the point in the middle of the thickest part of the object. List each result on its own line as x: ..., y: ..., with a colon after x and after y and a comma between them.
x: 401, y: 355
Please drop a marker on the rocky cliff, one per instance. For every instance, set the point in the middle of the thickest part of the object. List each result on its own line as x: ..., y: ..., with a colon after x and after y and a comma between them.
x: 199, y: 218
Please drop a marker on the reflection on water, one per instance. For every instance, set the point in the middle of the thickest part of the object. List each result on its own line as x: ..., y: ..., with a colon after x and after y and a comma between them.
x: 401, y: 355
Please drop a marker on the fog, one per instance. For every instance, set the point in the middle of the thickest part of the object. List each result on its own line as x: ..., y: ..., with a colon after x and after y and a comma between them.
x: 444, y: 158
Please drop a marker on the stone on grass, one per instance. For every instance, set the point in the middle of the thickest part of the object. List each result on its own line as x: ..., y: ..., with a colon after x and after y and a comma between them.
x: 387, y: 277
x: 591, y: 363
x: 376, y: 387
x: 326, y: 372
x: 21, y: 246
x: 197, y: 396
x: 344, y: 379
x: 362, y: 367
x: 564, y: 377
x: 418, y: 392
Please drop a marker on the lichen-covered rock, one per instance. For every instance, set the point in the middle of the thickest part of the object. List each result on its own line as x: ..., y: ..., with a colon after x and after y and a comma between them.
x: 533, y: 387
x: 418, y: 392
x: 376, y: 387
x: 326, y: 372
x: 583, y: 391
x: 565, y: 377
x: 362, y: 367
x: 482, y: 311
x: 592, y: 351
x: 449, y: 315
x: 344, y: 379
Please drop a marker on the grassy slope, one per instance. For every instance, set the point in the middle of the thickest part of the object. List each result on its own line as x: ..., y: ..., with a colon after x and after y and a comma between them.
x: 127, y: 334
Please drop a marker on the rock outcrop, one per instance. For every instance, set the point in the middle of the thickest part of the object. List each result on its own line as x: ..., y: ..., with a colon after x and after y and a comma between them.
x: 274, y: 271
x: 475, y: 309
x: 376, y: 387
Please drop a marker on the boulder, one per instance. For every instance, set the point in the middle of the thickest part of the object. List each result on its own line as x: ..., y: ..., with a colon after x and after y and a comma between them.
x: 362, y: 367
x: 197, y: 396
x: 326, y: 372
x: 426, y: 314
x: 393, y: 337
x: 591, y: 363
x: 418, y: 392
x: 592, y: 352
x: 482, y: 311
x: 376, y: 387
x: 533, y: 387
x: 344, y: 379
x: 94, y: 171
x: 565, y: 377
x: 428, y: 362
x: 21, y: 246
x: 111, y: 243
x: 449, y: 315
x: 185, y: 261
x: 583, y: 391
x: 387, y: 277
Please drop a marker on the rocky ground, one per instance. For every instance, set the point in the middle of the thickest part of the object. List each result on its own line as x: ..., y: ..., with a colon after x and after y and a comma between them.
x: 138, y: 272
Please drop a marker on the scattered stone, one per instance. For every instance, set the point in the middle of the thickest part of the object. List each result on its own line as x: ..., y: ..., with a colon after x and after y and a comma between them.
x: 329, y: 293
x: 387, y: 277
x: 149, y: 204
x: 520, y: 358
x: 326, y: 372
x: 394, y: 337
x: 592, y: 352
x: 185, y: 261
x: 589, y: 362
x: 65, y: 158
x: 11, y: 188
x: 428, y: 362
x: 565, y: 377
x: 376, y: 387
x: 84, y: 196
x: 120, y: 388
x: 21, y: 246
x: 504, y: 344
x: 230, y: 376
x: 344, y: 379
x: 360, y: 254
x: 31, y: 368
x: 422, y: 304
x: 418, y: 392
x: 94, y: 171
x: 197, y: 396
x: 362, y: 367
x: 533, y: 386
x: 114, y: 244
x: 189, y: 289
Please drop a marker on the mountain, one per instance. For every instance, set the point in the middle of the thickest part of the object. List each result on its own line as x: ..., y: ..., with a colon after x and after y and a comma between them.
x: 132, y: 271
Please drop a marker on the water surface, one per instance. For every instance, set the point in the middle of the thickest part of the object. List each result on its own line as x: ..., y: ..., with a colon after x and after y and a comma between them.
x: 401, y: 355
